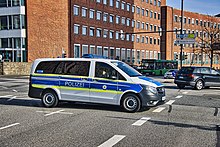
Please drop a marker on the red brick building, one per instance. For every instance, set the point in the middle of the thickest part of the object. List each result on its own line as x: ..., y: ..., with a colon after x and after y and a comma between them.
x: 201, y: 25
x: 93, y: 26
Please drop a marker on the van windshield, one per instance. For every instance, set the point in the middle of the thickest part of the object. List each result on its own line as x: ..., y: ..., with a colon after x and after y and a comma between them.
x: 127, y: 69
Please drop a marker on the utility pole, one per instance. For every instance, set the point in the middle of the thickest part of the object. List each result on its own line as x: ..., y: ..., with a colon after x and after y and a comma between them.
x: 181, y: 45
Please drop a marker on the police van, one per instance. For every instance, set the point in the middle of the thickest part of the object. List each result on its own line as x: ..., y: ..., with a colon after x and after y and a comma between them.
x: 103, y: 81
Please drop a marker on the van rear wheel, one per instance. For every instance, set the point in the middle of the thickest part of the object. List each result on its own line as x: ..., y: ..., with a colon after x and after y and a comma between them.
x: 131, y: 103
x: 49, y: 99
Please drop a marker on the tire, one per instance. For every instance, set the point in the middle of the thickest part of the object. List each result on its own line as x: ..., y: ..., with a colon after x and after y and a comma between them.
x: 180, y: 86
x: 199, y: 85
x: 131, y: 103
x: 49, y: 99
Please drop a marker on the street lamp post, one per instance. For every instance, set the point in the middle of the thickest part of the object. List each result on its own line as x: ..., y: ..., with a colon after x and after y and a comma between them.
x: 181, y: 45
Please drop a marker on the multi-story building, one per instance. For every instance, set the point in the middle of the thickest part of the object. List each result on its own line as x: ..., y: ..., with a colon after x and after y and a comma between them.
x: 12, y: 30
x: 204, y: 26
x: 81, y: 27
x: 78, y: 27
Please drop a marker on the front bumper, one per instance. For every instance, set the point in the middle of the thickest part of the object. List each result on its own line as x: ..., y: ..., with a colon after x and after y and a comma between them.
x: 151, y: 99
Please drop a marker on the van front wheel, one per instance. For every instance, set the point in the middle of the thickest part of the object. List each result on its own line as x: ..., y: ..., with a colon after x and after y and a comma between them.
x: 49, y: 99
x: 131, y: 103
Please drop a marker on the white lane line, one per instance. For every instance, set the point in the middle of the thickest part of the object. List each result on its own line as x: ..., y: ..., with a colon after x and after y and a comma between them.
x: 4, y: 87
x: 141, y: 121
x: 185, y: 92
x: 14, y: 90
x: 159, y: 109
x: 11, y: 98
x: 112, y: 141
x: 170, y: 102
x: 5, y: 96
x: 179, y: 96
x: 53, y: 113
x: 9, y: 126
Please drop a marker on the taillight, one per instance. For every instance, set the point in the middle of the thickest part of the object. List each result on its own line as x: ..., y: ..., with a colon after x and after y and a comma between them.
x: 191, y: 75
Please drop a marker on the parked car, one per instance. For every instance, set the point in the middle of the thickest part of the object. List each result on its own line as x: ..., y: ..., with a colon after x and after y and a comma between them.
x: 170, y: 74
x: 197, y: 77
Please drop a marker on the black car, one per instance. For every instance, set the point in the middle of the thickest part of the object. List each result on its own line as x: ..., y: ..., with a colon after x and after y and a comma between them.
x: 197, y: 77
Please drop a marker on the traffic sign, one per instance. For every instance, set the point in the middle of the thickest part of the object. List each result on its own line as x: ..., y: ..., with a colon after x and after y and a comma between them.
x: 185, y: 36
x: 185, y: 41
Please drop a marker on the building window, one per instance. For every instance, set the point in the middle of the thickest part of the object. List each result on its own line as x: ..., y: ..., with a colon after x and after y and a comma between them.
x: 188, y: 20
x: 175, y: 18
x: 128, y: 22
x: 142, y: 12
x: 76, y: 10
x: 98, y: 15
x: 117, y: 4
x: 76, y: 29
x: 147, y: 11
x: 133, y: 9
x: 128, y: 7
x: 123, y: 5
x: 158, y: 16
x: 159, y: 3
x: 142, y: 39
x: 117, y: 19
x: 105, y: 17
x: 127, y: 37
x: 76, y: 51
x: 84, y: 10
x: 117, y: 35
x: 142, y: 25
x: 155, y: 28
x: 111, y: 18
x: 99, y: 50
x: 197, y: 22
x: 155, y: 15
x: 151, y: 40
x: 111, y: 3
x: 91, y: 14
x: 138, y: 39
x: 118, y: 53
x: 138, y: 10
x: 105, y: 33
x: 92, y: 50
x: 146, y: 40
x: 105, y: 51
x: 133, y: 23
x: 84, y: 30
x: 98, y: 32
x: 105, y: 2
x: 123, y: 20
x: 91, y: 31
x: 85, y: 49
x: 98, y: 1
x: 155, y: 2
x: 151, y: 14
x: 151, y: 27
x: 138, y: 25
x: 147, y: 26
x: 111, y: 34
x: 132, y: 38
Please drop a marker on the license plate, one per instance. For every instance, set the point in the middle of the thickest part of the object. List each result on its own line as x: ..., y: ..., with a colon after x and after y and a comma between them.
x: 180, y: 77
x: 163, y: 98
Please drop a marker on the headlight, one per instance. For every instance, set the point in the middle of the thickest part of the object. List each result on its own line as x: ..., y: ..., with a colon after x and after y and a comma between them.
x: 151, y: 89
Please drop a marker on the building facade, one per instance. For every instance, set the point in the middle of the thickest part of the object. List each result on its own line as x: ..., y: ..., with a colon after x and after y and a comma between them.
x: 77, y: 27
x: 12, y: 30
x: 206, y: 28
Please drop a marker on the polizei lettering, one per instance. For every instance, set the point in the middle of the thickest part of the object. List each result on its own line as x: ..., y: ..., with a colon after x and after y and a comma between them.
x: 74, y: 84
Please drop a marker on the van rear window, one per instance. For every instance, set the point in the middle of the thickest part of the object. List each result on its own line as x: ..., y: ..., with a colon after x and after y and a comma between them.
x: 47, y: 67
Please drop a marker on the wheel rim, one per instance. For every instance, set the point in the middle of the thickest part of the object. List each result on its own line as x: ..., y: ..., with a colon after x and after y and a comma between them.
x: 49, y: 98
x: 131, y: 103
x: 199, y: 85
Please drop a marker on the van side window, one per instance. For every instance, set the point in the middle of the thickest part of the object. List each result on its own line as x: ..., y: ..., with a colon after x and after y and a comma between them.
x: 78, y: 68
x: 103, y: 70
x: 47, y: 67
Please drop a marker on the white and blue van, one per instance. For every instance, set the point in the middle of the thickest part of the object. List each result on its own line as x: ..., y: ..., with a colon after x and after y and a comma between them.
x: 103, y: 81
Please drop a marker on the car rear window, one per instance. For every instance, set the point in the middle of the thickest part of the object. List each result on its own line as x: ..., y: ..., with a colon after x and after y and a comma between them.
x: 186, y: 70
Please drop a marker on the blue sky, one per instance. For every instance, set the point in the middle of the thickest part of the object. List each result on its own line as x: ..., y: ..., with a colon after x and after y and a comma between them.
x: 210, y: 7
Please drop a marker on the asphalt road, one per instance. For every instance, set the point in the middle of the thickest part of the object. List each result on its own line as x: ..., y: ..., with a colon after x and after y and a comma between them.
x: 189, y: 118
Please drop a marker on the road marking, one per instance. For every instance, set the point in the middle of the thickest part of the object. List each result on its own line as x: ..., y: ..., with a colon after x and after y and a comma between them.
x: 4, y: 87
x: 52, y: 112
x: 185, y: 92
x: 179, y: 96
x: 141, y: 121
x: 170, y: 102
x: 9, y: 126
x: 14, y: 90
x: 112, y: 141
x: 11, y: 98
x: 5, y: 96
x: 159, y: 109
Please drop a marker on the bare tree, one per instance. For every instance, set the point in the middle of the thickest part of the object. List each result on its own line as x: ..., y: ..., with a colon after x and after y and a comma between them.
x: 210, y: 36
